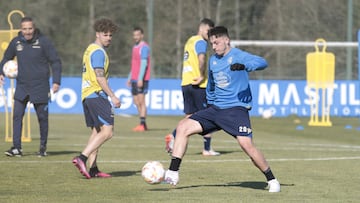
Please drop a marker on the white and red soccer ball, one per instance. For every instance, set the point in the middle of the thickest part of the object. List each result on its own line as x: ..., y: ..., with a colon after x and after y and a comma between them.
x: 10, y: 69
x: 267, y: 114
x: 153, y: 172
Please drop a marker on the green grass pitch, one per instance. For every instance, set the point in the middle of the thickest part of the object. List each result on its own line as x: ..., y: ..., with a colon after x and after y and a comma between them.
x: 316, y: 164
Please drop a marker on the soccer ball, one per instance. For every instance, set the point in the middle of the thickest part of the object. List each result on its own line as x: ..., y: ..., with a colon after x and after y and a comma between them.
x: 10, y: 69
x: 267, y: 114
x: 153, y: 172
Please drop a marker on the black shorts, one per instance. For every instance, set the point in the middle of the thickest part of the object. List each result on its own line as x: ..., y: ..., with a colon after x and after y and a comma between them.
x: 98, y: 111
x: 194, y: 98
x: 135, y: 90
x: 235, y: 121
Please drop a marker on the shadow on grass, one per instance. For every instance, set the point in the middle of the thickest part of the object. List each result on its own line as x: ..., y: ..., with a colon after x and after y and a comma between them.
x: 57, y: 153
x: 221, y: 152
x: 124, y: 173
x: 158, y: 129
x: 253, y: 185
x: 51, y: 153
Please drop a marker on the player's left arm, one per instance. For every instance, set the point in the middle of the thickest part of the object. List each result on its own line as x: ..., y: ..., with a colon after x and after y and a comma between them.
x: 101, y: 79
x: 54, y: 61
x: 253, y: 62
x: 202, y: 64
x: 143, y: 64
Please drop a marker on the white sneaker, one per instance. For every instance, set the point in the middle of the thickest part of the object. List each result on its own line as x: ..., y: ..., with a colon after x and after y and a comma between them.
x: 274, y: 185
x: 171, y: 177
x: 210, y: 153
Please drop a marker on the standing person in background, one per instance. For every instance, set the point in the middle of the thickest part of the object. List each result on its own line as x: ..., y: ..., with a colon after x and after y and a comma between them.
x: 35, y: 54
x: 229, y: 95
x: 139, y: 76
x: 95, y: 91
x: 194, y: 81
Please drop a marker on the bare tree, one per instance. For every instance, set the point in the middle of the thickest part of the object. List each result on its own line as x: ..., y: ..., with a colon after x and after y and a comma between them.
x: 175, y: 21
x: 237, y: 19
x: 179, y: 51
x: 218, y: 12
x: 200, y: 9
x: 91, y: 19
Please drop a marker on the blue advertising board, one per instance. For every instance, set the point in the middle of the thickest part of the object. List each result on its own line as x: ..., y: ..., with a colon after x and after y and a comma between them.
x: 282, y: 97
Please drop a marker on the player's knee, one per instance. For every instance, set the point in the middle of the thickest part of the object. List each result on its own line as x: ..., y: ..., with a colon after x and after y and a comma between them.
x: 110, y: 135
x: 43, y: 118
x: 181, y: 127
x: 107, y: 132
x: 185, y: 129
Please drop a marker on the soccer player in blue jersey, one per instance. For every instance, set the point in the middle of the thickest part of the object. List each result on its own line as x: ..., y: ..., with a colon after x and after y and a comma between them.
x: 229, y: 98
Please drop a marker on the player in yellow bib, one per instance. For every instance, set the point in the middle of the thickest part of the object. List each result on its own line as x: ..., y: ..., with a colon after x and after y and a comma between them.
x: 89, y: 82
x: 194, y: 81
x: 95, y: 91
x: 194, y: 64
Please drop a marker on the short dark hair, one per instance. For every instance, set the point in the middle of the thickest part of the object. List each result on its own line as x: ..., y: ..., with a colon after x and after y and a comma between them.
x: 137, y: 28
x: 26, y: 19
x: 218, y: 31
x: 105, y: 25
x: 207, y: 21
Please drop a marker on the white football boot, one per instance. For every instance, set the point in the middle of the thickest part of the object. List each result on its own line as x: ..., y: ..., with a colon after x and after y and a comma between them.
x: 171, y: 177
x: 274, y: 185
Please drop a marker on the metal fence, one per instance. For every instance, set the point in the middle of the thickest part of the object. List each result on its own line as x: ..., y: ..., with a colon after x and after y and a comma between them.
x: 287, y: 59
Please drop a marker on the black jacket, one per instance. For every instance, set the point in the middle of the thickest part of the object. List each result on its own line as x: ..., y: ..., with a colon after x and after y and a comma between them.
x: 34, y: 57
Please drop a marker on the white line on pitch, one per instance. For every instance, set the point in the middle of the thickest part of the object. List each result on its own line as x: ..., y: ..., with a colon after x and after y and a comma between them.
x: 192, y: 161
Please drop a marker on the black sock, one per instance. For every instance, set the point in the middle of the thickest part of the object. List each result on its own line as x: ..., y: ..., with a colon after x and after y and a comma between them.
x: 93, y: 171
x: 174, y: 133
x: 175, y: 164
x: 268, y: 174
x: 143, y: 120
x: 207, y: 143
x: 83, y: 158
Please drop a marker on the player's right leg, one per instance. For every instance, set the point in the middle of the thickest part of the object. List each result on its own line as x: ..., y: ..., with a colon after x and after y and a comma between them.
x: 19, y: 110
x: 92, y: 156
x: 98, y: 116
x: 90, y: 151
x: 185, y: 129
x: 94, y: 170
x: 139, y: 101
x: 97, y: 140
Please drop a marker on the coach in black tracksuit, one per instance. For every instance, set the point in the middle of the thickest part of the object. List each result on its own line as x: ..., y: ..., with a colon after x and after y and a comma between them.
x: 35, y: 53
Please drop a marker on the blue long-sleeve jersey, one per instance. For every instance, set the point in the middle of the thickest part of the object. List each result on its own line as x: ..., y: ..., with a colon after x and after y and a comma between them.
x: 34, y: 57
x: 229, y: 88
